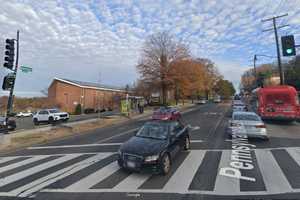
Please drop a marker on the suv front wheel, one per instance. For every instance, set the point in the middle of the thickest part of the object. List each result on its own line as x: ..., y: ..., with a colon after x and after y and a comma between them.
x: 35, y: 121
x: 51, y: 120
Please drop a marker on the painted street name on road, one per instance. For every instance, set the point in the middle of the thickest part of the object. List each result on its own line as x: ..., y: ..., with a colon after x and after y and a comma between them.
x: 240, y: 158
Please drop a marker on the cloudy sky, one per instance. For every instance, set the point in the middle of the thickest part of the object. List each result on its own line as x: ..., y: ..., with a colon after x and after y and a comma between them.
x: 79, y: 39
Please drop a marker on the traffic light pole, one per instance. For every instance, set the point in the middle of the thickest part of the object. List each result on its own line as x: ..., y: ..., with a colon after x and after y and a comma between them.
x: 11, y: 91
x: 277, y: 43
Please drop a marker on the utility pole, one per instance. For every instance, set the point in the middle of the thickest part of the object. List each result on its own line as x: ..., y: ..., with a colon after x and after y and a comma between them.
x: 11, y: 91
x: 99, y: 96
x: 254, y: 66
x: 277, y: 43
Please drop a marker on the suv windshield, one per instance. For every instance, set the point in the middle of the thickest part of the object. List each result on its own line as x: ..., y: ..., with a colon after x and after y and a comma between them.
x: 54, y: 111
x: 154, y: 130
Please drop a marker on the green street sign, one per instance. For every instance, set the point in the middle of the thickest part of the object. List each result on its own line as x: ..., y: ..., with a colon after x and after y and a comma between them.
x: 26, y: 69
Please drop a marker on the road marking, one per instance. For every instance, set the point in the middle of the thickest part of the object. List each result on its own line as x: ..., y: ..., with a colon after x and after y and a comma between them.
x: 118, y: 135
x: 196, y: 141
x: 94, y: 178
x: 217, y: 124
x: 33, y: 170
x: 295, y: 154
x: 226, y: 185
x: 193, y: 128
x: 185, y: 173
x: 23, y: 162
x: 273, y: 177
x: 87, y: 145
x: 145, y: 191
x: 132, y: 182
x: 74, y: 146
x: 6, y: 159
x: 35, y: 186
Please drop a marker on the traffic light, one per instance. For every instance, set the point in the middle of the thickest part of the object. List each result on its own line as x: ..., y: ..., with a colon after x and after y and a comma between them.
x: 288, y: 45
x: 9, y: 54
x: 8, y: 81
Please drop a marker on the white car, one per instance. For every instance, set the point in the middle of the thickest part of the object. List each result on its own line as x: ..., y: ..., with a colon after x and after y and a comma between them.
x: 50, y: 116
x: 247, y: 124
x: 217, y: 99
x: 24, y: 114
x: 201, y: 101
x: 238, y: 105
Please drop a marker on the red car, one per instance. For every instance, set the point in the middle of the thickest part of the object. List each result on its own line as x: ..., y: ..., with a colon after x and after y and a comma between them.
x: 166, y: 113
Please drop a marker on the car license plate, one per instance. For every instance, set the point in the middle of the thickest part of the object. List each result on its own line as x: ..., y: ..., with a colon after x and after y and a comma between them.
x: 130, y: 164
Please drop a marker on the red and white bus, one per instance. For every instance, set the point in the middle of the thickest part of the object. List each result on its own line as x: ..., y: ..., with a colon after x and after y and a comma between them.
x: 276, y: 102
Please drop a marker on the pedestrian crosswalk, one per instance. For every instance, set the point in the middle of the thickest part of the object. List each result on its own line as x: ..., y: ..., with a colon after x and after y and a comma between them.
x: 194, y: 172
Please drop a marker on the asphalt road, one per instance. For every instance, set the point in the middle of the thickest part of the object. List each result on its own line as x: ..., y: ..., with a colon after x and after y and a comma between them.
x: 84, y: 167
x: 26, y: 123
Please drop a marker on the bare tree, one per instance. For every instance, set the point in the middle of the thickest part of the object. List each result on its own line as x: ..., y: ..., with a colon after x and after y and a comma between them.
x: 159, y: 51
x: 44, y: 91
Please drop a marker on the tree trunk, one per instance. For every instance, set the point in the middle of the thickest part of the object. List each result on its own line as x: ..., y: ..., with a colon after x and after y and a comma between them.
x: 206, y: 94
x: 164, y: 93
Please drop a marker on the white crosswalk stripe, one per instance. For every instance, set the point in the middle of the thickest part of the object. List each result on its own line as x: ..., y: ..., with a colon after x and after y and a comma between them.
x: 6, y: 159
x: 132, y: 182
x: 38, y: 184
x: 185, y: 173
x: 226, y: 185
x: 295, y: 153
x: 33, y: 170
x: 21, y: 163
x: 273, y: 178
x: 94, y: 178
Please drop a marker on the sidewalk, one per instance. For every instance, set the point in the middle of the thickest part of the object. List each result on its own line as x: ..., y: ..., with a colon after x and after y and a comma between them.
x: 26, y: 138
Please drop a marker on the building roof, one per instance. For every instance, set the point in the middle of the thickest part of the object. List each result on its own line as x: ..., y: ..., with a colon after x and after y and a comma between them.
x: 90, y: 85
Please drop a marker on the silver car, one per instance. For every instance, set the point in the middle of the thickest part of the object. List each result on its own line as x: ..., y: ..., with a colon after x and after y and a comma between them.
x: 247, y: 124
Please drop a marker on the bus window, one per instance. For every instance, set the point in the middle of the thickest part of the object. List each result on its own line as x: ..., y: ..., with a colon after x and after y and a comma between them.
x: 278, y: 98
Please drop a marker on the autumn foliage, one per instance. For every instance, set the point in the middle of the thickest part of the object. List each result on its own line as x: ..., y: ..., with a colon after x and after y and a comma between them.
x: 166, y: 65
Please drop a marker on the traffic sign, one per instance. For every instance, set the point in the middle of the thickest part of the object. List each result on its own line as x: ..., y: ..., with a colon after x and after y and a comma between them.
x: 26, y: 69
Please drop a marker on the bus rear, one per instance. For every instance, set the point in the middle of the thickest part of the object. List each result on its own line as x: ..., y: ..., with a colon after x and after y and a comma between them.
x: 278, y: 102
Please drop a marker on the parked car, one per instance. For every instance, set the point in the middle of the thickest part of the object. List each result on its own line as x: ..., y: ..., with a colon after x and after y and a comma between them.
x: 201, y: 101
x: 249, y: 124
x: 10, y: 125
x: 89, y: 110
x: 217, y: 99
x: 50, y: 116
x: 166, y: 113
x: 154, y: 146
x: 24, y: 114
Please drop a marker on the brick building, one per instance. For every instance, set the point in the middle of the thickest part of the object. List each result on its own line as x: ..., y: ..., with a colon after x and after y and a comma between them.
x: 68, y: 93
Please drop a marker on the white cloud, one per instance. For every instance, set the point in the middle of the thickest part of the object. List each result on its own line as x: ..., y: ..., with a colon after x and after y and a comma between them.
x: 78, y: 39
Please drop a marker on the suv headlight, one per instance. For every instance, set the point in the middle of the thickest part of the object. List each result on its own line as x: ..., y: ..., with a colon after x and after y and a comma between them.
x: 151, y: 158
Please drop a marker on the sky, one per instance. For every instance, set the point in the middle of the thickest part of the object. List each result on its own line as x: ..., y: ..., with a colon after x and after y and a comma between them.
x: 101, y: 41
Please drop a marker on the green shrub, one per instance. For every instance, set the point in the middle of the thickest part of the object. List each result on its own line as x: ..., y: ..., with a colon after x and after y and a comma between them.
x: 78, y: 109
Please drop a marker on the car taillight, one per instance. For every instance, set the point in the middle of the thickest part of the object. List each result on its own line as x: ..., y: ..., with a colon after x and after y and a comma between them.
x: 260, y: 126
